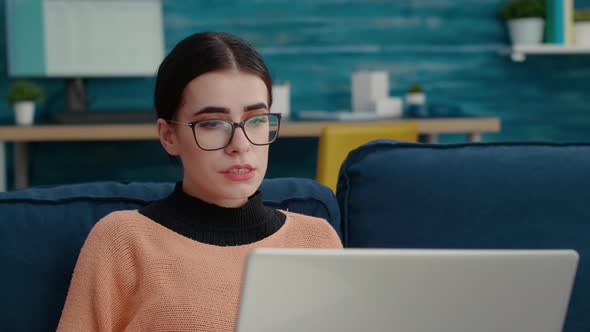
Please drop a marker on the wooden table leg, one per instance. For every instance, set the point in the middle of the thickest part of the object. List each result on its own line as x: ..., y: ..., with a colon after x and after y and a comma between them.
x: 21, y: 165
x: 474, y: 137
x: 432, y: 138
x: 2, y: 166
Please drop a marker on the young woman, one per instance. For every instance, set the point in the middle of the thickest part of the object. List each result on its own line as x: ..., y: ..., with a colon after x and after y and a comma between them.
x: 177, y: 264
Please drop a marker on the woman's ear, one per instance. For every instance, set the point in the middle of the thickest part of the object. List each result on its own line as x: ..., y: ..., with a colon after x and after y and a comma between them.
x: 168, y: 137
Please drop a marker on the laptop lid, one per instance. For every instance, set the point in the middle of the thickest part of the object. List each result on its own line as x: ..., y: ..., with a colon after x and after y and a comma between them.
x: 406, y: 290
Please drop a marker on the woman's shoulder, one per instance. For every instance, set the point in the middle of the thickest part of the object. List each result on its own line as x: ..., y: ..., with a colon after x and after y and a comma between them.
x: 303, y: 218
x: 315, y: 227
x: 117, y: 220
x: 117, y: 226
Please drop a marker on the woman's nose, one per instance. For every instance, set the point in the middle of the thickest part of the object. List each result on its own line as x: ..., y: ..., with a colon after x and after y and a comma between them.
x: 239, y: 141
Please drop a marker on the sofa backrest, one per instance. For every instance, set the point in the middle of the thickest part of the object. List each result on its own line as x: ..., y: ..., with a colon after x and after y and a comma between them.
x: 505, y: 196
x: 43, y: 229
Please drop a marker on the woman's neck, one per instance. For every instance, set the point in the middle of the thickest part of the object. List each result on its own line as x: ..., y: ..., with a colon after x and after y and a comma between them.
x: 214, y: 224
x: 191, y: 190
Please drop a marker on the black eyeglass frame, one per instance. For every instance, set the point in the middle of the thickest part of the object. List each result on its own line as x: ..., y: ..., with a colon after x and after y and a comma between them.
x: 234, y: 126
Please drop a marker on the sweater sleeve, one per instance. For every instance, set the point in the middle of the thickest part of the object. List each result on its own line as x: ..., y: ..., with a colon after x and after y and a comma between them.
x: 333, y: 238
x: 100, y: 297
x: 318, y: 232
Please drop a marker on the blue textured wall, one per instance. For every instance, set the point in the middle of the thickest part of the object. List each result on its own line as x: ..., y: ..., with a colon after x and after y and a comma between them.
x: 450, y: 47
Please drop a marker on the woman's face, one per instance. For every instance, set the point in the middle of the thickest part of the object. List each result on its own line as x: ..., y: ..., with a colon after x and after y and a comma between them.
x: 225, y: 177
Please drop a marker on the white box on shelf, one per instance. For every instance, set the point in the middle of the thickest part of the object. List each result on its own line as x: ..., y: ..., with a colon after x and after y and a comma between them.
x: 368, y: 86
x: 388, y: 107
x: 281, y: 99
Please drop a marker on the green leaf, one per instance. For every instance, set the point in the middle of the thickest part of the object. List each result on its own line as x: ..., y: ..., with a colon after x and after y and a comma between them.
x: 513, y: 9
x: 24, y: 90
x: 414, y: 88
x: 582, y: 15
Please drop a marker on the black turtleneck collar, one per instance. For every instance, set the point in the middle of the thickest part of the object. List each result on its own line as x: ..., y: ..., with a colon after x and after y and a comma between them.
x: 213, y: 224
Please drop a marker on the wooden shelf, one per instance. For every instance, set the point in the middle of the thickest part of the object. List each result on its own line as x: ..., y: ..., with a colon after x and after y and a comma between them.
x: 43, y: 133
x: 518, y: 53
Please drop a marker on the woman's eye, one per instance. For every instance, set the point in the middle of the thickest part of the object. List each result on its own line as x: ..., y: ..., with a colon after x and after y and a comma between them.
x: 211, y: 124
x: 258, y: 120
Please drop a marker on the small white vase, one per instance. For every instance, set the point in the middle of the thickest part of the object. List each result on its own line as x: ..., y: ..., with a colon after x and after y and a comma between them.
x: 281, y: 94
x: 582, y: 33
x: 24, y: 113
x: 526, y: 31
x: 416, y: 98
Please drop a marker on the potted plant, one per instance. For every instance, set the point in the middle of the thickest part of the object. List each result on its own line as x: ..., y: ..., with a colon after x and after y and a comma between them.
x: 415, y: 95
x: 582, y: 27
x: 525, y: 20
x: 416, y: 102
x: 23, y: 95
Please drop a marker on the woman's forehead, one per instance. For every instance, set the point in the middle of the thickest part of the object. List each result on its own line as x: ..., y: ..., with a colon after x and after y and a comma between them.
x: 229, y: 89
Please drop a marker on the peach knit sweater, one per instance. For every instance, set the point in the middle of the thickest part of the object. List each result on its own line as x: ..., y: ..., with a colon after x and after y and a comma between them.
x: 134, y: 274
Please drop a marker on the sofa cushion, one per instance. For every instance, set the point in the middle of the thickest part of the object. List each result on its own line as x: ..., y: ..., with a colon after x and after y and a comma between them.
x: 43, y: 229
x: 527, y: 195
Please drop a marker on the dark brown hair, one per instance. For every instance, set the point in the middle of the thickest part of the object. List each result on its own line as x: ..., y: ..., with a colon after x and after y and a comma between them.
x: 198, y: 54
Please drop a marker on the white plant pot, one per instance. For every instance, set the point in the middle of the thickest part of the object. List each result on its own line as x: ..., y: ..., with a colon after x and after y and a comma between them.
x: 582, y: 33
x: 24, y: 113
x: 415, y: 98
x: 526, y: 31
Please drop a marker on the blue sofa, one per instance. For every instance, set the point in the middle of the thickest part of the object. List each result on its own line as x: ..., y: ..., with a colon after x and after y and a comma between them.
x: 496, y: 195
x: 43, y: 229
x: 390, y: 194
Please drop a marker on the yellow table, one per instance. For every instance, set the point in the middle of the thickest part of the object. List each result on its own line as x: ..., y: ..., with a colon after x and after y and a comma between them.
x: 21, y: 135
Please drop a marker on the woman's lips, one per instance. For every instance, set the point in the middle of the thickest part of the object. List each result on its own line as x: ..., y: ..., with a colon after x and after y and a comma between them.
x: 239, y: 173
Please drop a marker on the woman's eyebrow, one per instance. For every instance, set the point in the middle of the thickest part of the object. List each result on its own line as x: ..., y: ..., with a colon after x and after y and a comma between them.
x: 212, y: 109
x: 225, y: 110
x: 255, y: 107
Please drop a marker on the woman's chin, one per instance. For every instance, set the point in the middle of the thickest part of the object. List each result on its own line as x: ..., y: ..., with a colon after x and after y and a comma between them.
x: 240, y: 190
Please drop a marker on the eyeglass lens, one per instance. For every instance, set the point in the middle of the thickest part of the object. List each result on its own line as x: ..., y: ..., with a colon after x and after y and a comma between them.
x: 216, y: 133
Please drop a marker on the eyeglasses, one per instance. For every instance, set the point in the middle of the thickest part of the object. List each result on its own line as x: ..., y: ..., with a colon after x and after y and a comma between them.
x: 216, y: 134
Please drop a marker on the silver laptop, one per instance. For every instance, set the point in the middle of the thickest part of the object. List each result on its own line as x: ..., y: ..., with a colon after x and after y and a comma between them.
x: 406, y: 290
